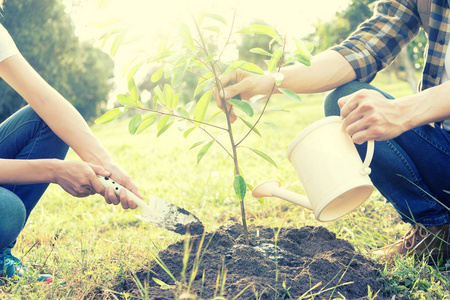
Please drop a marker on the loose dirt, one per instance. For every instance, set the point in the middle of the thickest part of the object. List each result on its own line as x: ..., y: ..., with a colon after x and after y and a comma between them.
x: 279, y: 264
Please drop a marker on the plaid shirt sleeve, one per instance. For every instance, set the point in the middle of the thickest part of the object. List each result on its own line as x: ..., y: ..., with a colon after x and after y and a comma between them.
x: 376, y: 42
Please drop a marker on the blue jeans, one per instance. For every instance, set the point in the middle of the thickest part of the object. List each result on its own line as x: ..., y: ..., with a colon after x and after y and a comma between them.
x: 24, y: 136
x: 411, y: 171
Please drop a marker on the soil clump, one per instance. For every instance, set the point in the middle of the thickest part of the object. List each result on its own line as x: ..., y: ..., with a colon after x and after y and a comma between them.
x: 279, y: 264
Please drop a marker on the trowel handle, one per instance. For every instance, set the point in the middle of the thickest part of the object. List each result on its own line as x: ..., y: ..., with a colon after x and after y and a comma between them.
x: 107, y: 182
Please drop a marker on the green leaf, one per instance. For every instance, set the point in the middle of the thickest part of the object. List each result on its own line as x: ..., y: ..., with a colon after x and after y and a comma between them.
x: 175, y: 100
x: 291, y: 94
x: 134, y: 123
x: 252, y: 68
x: 162, y: 130
x: 242, y: 105
x: 178, y: 73
x: 263, y: 29
x: 215, y: 29
x: 182, y: 112
x: 303, y: 51
x: 181, y: 124
x: 216, y: 17
x: 203, y: 151
x: 240, y: 188
x: 159, y: 94
x: 147, y: 121
x: 273, y: 63
x: 275, y: 39
x: 250, y: 125
x: 250, y: 188
x: 279, y: 77
x: 300, y: 58
x: 125, y: 100
x: 168, y: 95
x: 160, y: 56
x: 111, y: 115
x: 188, y: 132
x: 216, y: 113
x: 127, y: 65
x: 271, y: 125
x: 162, y: 284
x: 133, y: 90
x: 157, y: 75
x: 134, y: 69
x: 117, y: 42
x: 280, y: 109
x: 234, y: 66
x: 196, y: 144
x: 188, y: 107
x: 201, y: 107
x: 203, y: 82
x: 264, y: 156
x: 260, y: 51
x: 246, y: 31
x: 185, y: 34
x: 162, y: 122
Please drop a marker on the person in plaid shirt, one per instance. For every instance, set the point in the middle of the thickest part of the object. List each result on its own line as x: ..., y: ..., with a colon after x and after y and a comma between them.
x: 411, y: 163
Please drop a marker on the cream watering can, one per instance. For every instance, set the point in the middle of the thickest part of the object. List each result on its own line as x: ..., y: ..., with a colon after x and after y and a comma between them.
x: 330, y: 169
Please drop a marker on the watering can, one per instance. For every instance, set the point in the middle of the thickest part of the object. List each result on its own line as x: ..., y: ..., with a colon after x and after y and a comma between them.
x: 334, y: 178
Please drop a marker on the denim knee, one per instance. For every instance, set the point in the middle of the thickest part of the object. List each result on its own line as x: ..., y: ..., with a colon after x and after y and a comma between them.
x: 330, y: 105
x: 12, y: 217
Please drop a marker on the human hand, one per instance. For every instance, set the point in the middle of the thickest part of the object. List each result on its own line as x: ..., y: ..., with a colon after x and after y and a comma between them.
x: 123, y: 178
x: 245, y: 84
x: 368, y: 115
x: 79, y: 178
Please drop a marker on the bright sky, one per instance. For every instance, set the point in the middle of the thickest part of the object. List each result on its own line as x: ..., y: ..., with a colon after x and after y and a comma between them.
x: 147, y: 17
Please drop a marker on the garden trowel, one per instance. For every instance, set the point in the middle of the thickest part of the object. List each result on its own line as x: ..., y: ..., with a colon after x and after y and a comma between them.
x: 160, y: 212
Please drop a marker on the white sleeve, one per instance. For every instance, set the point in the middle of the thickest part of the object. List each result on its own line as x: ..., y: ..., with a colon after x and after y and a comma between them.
x: 7, y: 46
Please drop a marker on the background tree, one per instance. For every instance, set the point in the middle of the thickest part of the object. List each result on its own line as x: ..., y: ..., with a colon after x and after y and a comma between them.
x: 331, y: 33
x: 44, y: 34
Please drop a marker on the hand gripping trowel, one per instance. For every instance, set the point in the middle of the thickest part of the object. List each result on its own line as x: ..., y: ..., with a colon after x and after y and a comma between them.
x: 160, y: 212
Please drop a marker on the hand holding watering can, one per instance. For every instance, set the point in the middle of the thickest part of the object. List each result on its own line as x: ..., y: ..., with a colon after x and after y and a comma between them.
x: 328, y: 165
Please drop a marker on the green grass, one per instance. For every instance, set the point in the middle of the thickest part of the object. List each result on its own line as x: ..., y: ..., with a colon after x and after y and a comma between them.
x: 90, y: 246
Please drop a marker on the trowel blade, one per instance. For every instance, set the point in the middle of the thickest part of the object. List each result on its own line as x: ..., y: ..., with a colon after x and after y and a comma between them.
x: 166, y: 215
x: 160, y: 212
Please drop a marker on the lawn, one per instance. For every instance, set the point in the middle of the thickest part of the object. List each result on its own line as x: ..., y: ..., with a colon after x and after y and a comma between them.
x: 90, y: 246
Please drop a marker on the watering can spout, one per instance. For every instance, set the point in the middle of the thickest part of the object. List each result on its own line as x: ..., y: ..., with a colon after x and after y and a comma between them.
x: 272, y: 188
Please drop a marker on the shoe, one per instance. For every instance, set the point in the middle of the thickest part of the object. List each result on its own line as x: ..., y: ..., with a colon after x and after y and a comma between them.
x: 11, y: 266
x: 422, y: 242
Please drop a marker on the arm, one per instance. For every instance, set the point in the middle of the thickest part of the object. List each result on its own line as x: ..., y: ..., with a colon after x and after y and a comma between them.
x: 328, y: 70
x: 66, y: 122
x: 368, y: 115
x: 368, y: 50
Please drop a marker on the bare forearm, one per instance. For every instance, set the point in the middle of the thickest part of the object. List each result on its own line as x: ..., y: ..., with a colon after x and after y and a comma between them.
x: 54, y: 109
x: 14, y: 171
x: 431, y: 105
x: 66, y: 122
x: 328, y: 70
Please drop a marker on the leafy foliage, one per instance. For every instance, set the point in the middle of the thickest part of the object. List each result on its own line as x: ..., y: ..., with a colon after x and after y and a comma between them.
x: 195, y: 53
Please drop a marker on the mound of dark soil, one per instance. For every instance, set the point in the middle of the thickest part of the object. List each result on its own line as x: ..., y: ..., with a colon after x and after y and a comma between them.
x: 305, y: 261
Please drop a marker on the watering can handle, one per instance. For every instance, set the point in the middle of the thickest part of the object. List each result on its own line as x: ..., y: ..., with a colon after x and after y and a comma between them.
x: 369, y: 155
